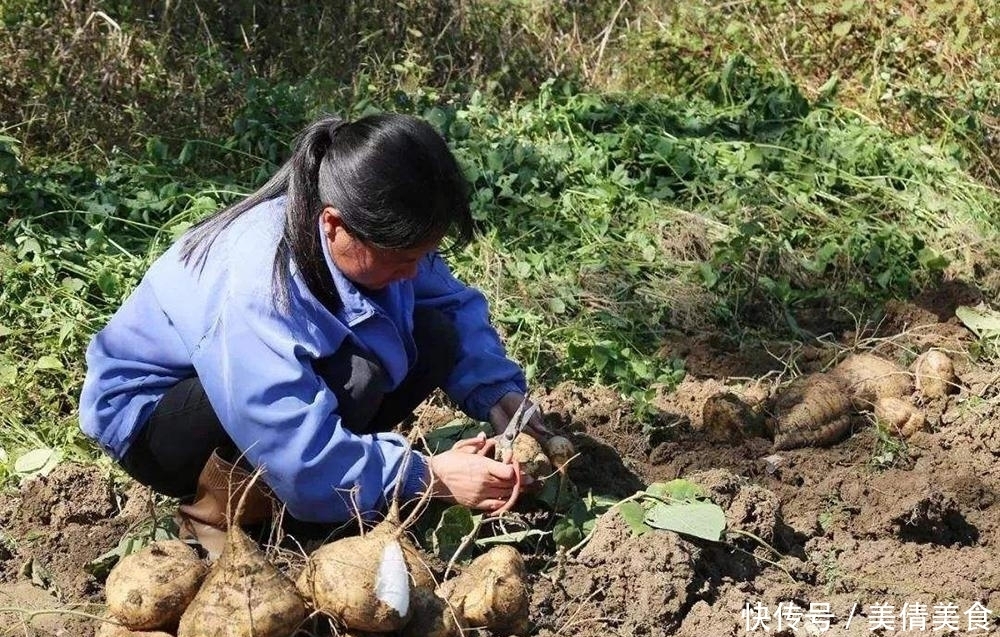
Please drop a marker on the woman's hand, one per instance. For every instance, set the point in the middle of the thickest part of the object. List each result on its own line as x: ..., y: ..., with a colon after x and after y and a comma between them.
x: 468, y: 475
x: 503, y: 411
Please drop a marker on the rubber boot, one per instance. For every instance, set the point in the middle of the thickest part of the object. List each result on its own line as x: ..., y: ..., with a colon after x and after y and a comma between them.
x: 220, y: 487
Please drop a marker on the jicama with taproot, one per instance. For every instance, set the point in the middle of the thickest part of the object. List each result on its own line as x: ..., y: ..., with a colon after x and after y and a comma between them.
x: 244, y: 594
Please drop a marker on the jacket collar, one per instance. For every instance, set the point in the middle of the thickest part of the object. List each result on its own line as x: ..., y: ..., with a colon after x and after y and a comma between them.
x: 355, y: 306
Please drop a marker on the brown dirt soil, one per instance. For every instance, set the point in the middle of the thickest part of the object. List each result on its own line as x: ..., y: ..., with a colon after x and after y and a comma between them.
x: 53, y: 526
x: 870, y: 520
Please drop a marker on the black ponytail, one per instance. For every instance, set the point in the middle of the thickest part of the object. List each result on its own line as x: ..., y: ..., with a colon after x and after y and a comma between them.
x: 391, y: 177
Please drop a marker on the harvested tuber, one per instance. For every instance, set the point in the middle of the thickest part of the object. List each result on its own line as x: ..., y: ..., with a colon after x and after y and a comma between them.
x: 244, y: 594
x: 366, y: 582
x: 935, y: 374
x: 151, y: 588
x: 811, y: 411
x: 492, y: 592
x: 726, y: 417
x: 559, y: 451
x: 529, y: 454
x: 112, y: 629
x: 900, y: 415
x: 867, y: 378
x: 433, y: 617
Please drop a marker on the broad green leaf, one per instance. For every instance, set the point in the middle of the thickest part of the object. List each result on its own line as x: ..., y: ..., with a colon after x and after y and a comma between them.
x: 678, y: 489
x: 100, y: 566
x: 635, y: 516
x: 108, y: 282
x: 566, y: 532
x: 73, y: 284
x: 456, y: 522
x: 931, y: 259
x: 5, y: 331
x: 983, y: 322
x: 443, y: 438
x: 37, y: 462
x: 48, y: 362
x: 700, y: 519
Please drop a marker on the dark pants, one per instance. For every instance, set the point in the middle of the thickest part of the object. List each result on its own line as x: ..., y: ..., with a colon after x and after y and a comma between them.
x: 183, y: 430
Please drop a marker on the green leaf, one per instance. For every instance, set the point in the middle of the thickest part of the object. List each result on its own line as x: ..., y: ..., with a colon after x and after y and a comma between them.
x: 165, y: 529
x: 983, y: 322
x: 187, y: 153
x: 48, y: 362
x: 108, y: 282
x: 841, y: 28
x: 634, y: 515
x: 557, y: 305
x: 566, y: 532
x: 73, y: 284
x: 443, y: 438
x: 37, y: 462
x: 438, y: 117
x: 5, y: 331
x: 708, y: 275
x: 456, y: 522
x: 931, y: 259
x: 679, y: 489
x: 700, y: 518
x: 178, y: 229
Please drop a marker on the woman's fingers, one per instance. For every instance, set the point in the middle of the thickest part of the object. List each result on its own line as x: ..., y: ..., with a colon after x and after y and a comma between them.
x: 470, y: 445
x: 505, y: 472
x: 491, y: 505
x: 514, y: 493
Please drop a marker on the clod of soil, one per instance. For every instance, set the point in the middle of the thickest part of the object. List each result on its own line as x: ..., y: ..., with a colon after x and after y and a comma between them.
x: 628, y: 584
x: 749, y: 507
x: 914, y: 511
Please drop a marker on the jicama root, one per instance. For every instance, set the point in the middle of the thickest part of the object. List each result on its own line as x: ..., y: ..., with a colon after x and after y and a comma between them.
x: 244, y: 594
x: 492, y: 592
x: 935, y: 374
x: 151, y: 588
x: 559, y: 451
x: 433, y: 617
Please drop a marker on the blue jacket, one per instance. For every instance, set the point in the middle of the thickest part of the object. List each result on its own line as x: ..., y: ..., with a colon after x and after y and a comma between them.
x: 221, y: 323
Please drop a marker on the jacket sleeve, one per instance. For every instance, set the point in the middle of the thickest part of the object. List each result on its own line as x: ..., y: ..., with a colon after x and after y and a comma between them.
x: 483, y: 373
x: 256, y: 369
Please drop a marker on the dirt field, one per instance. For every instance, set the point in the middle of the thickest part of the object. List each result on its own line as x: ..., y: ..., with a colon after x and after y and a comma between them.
x: 864, y: 526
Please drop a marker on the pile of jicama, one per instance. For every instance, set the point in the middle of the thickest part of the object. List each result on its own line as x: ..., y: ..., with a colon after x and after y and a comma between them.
x: 372, y: 583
